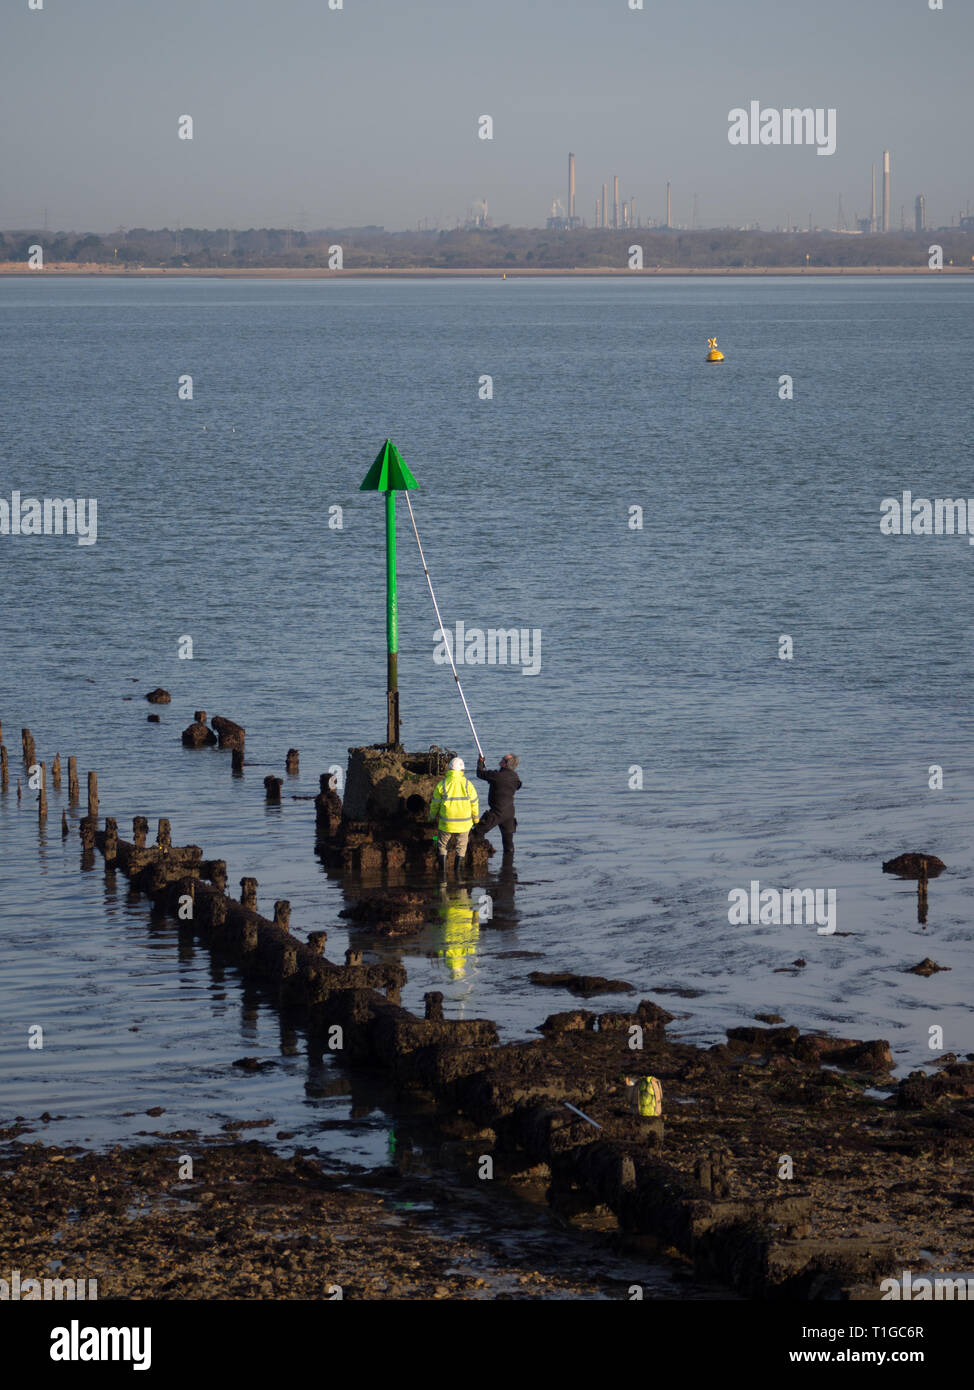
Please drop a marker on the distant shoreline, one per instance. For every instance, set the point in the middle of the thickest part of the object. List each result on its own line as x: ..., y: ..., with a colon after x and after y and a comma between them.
x: 17, y: 269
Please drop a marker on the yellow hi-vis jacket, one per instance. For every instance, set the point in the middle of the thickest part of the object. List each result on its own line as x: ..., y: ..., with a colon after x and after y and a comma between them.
x: 455, y: 805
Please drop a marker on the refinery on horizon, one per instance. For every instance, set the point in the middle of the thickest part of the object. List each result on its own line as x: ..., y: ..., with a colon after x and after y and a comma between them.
x: 613, y: 212
x: 619, y: 214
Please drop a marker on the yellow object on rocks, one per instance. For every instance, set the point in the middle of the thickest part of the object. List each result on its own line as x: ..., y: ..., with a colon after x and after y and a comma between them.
x: 649, y: 1096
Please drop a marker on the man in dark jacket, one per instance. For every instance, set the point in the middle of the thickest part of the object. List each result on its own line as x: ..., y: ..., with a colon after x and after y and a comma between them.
x: 500, y: 799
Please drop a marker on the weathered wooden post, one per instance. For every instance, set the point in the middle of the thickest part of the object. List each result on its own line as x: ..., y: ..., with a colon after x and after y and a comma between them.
x: 164, y: 835
x: 272, y: 790
x: 4, y: 768
x: 922, y: 879
x: 237, y: 761
x: 282, y: 914
x: 292, y: 763
x: 434, y: 1006
x: 56, y: 770
x: 248, y: 893
x: 93, y: 794
x: 74, y: 789
x: 140, y: 831
x: 28, y: 744
x: 111, y: 840
x: 42, y: 795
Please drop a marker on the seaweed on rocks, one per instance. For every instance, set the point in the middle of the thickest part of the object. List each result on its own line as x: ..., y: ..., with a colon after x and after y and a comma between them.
x: 771, y: 1167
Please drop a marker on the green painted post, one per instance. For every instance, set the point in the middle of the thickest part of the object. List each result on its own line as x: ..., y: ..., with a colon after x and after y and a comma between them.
x: 392, y: 625
x: 390, y: 475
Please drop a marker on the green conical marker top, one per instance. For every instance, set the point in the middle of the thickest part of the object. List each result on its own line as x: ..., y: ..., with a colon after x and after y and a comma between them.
x: 389, y: 473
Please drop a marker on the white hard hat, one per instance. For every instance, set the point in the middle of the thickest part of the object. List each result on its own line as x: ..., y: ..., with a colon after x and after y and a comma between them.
x: 457, y: 765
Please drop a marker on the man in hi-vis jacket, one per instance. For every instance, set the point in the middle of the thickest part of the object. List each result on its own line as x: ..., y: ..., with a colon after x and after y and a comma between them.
x: 455, y: 807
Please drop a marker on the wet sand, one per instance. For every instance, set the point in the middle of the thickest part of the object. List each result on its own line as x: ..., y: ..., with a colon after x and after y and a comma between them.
x: 251, y: 1225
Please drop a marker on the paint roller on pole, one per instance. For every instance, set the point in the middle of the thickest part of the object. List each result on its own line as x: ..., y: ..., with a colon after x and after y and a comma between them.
x: 390, y: 474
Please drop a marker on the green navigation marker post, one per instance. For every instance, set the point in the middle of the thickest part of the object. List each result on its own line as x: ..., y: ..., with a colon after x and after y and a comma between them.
x: 389, y: 474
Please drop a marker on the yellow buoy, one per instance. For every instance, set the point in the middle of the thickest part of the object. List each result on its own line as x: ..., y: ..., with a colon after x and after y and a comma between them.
x: 714, y: 355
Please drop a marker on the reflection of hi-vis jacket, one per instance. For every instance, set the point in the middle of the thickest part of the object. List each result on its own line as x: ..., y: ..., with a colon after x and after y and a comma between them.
x: 455, y: 804
x: 460, y: 933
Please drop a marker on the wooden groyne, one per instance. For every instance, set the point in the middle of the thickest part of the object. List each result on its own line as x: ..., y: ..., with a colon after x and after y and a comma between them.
x: 690, y: 1196
x: 773, y: 1171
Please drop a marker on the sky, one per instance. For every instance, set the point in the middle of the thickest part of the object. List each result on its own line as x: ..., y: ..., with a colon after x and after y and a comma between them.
x: 308, y: 116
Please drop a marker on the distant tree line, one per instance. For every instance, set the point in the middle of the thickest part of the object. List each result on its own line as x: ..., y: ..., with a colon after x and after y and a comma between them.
x: 501, y: 248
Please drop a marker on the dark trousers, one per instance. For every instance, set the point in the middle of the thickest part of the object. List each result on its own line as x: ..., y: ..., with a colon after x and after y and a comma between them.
x: 508, y: 827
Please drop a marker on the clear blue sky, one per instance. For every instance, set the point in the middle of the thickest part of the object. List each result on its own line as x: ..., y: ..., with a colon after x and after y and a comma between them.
x: 310, y: 117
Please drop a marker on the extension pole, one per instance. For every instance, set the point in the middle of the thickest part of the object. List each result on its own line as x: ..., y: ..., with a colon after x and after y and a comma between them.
x: 436, y: 607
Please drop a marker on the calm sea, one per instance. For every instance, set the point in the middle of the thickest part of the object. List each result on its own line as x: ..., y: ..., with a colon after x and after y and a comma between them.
x: 659, y: 651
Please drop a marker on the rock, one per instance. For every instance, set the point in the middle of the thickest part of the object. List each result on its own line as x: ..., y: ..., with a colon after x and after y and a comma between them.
x: 769, y: 1018
x: 197, y: 735
x: 908, y: 865
x: 926, y: 967
x: 648, y: 1012
x: 813, y: 1048
x: 153, y: 719
x: 874, y: 1056
x: 584, y: 985
x: 390, y: 912
x: 159, y: 696
x: 230, y: 735
x: 762, y: 1039
x: 574, y: 1021
x: 917, y: 1090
